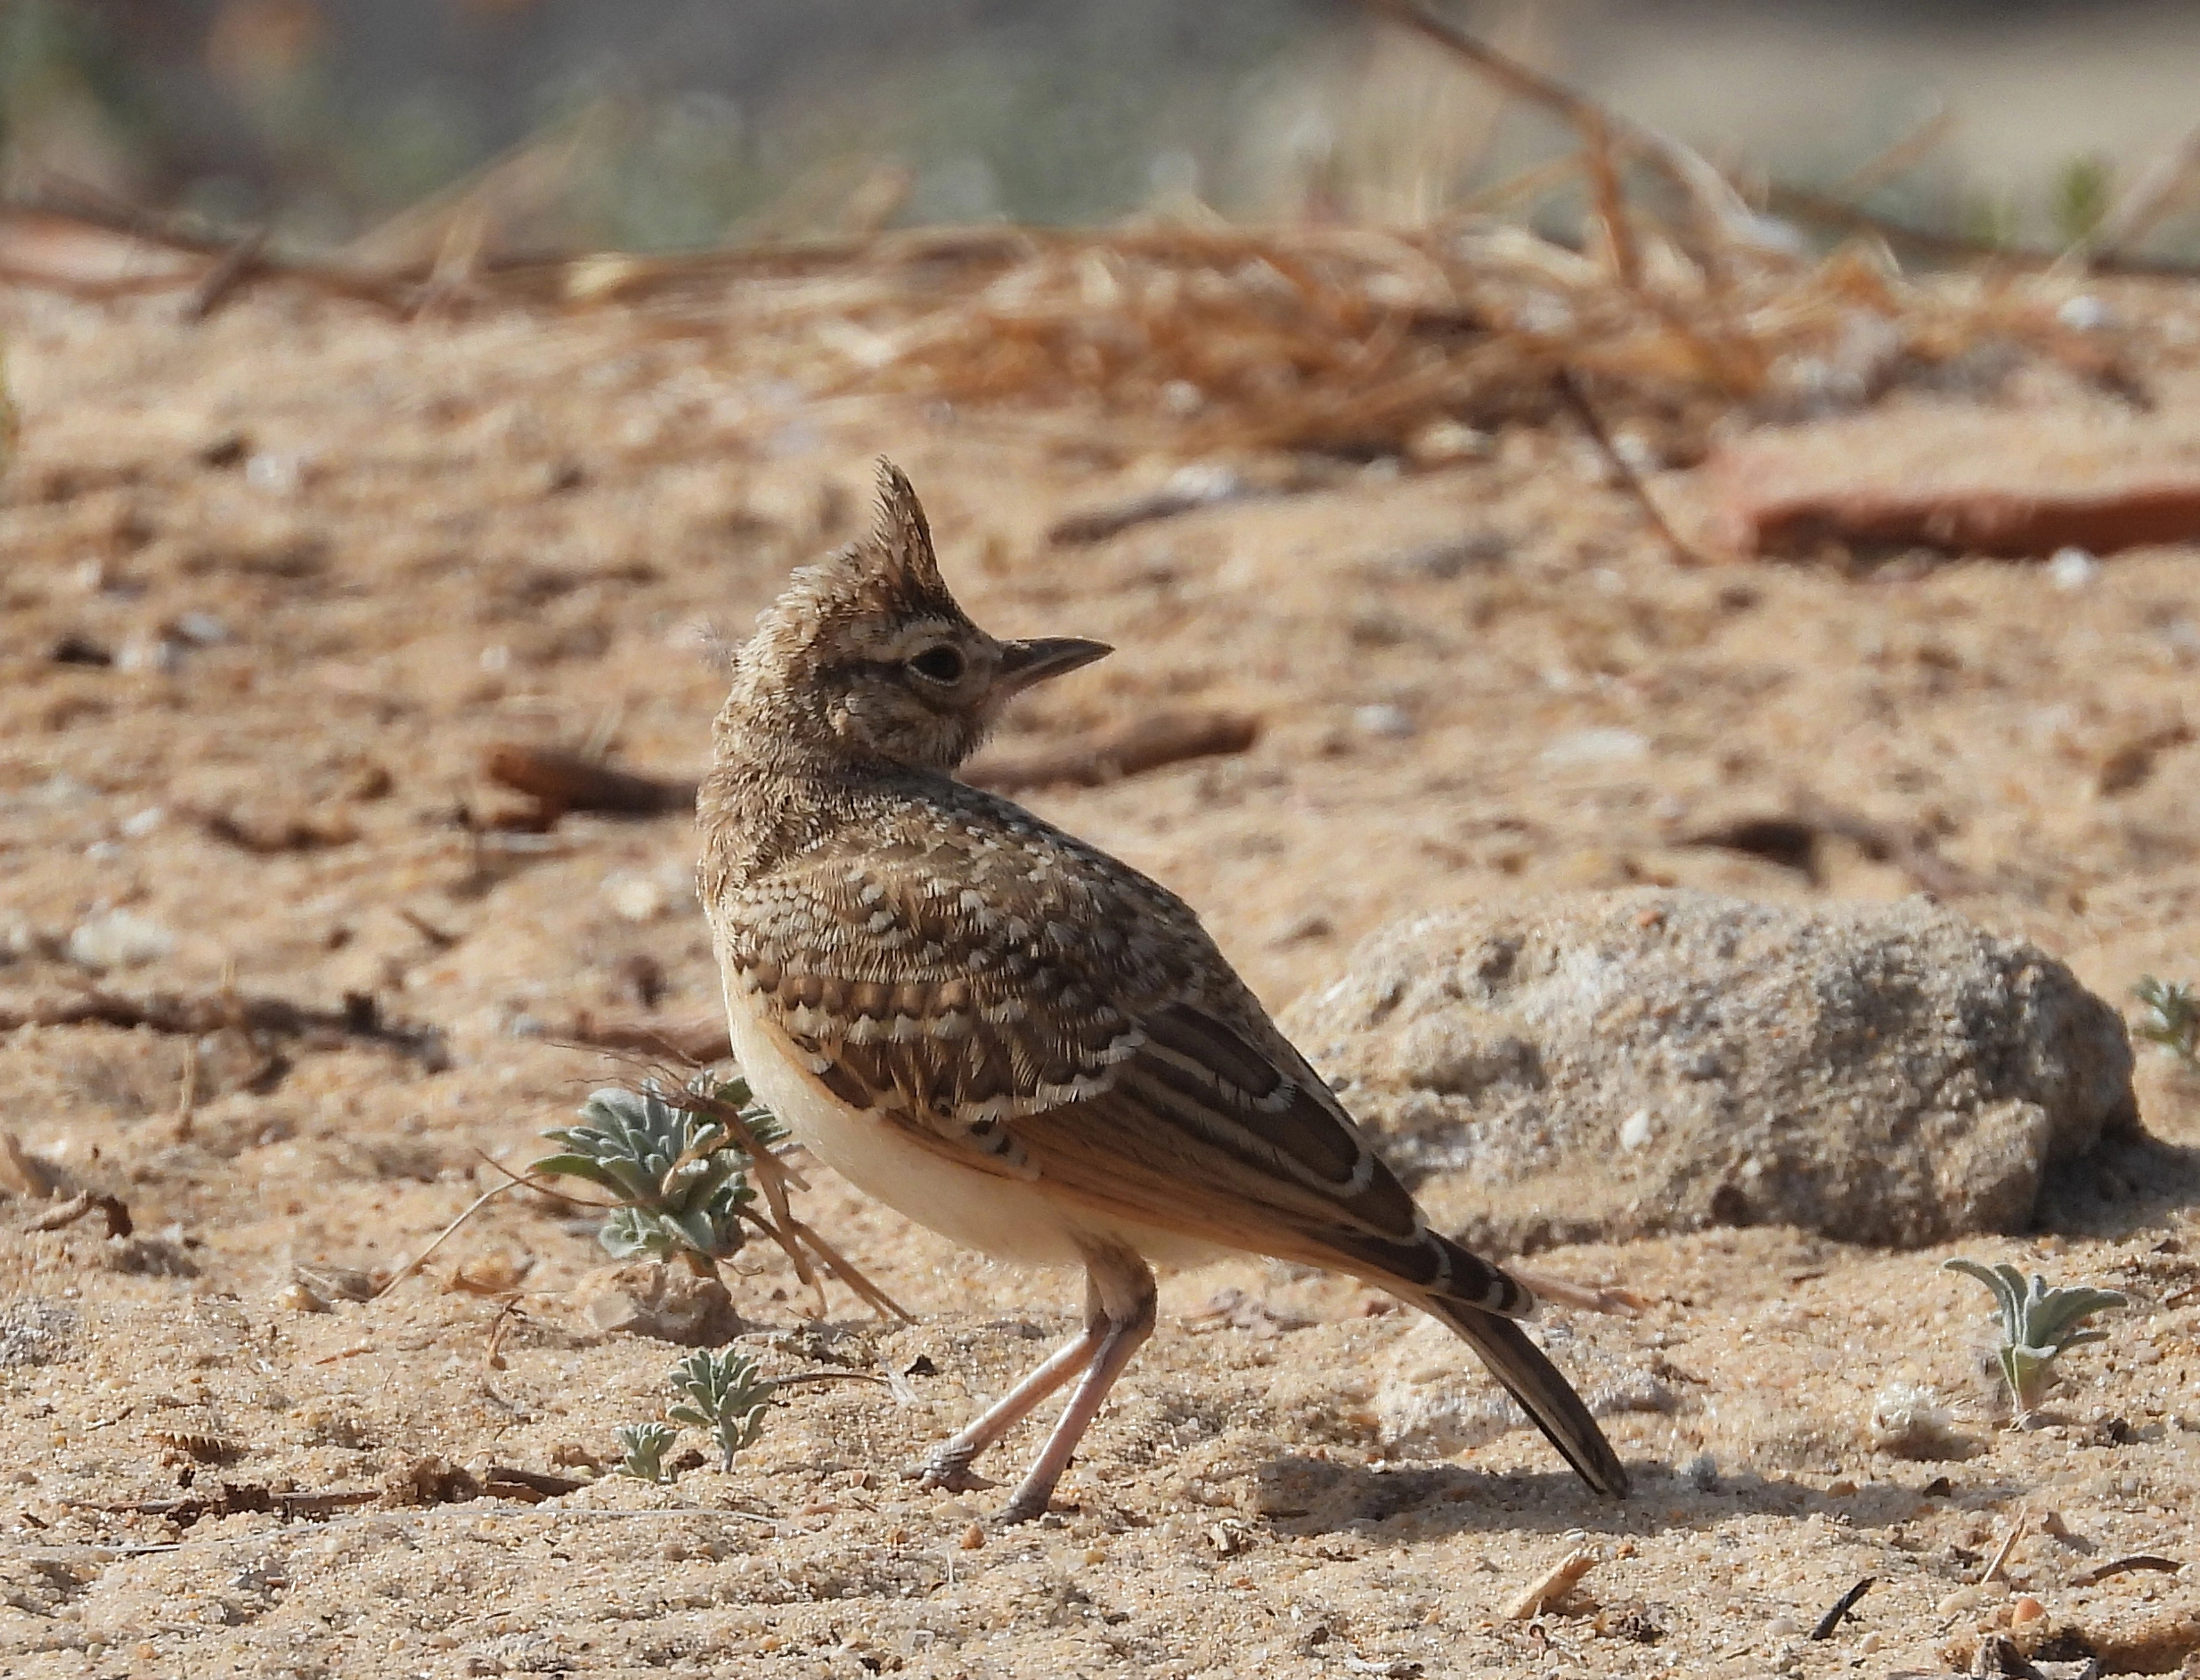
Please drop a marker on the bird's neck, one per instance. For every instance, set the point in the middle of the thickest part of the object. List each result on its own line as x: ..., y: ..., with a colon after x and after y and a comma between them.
x: 773, y: 792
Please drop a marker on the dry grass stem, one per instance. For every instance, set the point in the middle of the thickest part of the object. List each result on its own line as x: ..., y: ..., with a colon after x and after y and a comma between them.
x: 472, y: 1208
x: 1899, y: 158
x: 1552, y: 1586
x: 2018, y: 1525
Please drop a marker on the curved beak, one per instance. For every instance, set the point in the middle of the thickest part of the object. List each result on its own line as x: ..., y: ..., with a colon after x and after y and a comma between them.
x: 1025, y: 663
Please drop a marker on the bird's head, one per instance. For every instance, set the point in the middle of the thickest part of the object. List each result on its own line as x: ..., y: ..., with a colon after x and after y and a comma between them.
x: 868, y: 655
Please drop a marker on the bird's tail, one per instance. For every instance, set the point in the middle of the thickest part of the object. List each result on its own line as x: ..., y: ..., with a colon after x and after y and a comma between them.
x: 1542, y: 1391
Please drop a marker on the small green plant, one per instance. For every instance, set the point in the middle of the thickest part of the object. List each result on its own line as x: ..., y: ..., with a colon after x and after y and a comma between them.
x: 643, y: 1446
x: 2038, y: 1325
x: 680, y: 1179
x: 2171, y: 1017
x: 725, y: 1396
x: 2085, y: 188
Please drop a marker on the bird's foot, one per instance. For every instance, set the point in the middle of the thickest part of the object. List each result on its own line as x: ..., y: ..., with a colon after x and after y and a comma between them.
x: 1025, y: 1506
x: 946, y: 1467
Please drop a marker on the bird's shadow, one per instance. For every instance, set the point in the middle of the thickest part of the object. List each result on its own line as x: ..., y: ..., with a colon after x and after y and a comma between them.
x: 1309, y: 1496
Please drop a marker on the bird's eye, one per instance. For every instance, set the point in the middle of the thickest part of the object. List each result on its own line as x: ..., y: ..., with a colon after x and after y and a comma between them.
x: 941, y: 664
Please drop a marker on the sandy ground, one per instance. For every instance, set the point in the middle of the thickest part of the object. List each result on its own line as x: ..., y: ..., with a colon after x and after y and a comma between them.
x: 333, y: 559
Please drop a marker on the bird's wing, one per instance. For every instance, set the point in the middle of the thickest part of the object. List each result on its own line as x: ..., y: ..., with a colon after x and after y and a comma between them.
x: 1060, y: 1019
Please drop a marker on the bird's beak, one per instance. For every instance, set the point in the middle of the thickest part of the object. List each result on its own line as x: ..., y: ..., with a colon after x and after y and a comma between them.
x: 1025, y: 663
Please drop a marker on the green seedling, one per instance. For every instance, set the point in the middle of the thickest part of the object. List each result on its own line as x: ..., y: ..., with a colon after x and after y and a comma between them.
x: 725, y: 1396
x: 644, y: 1446
x: 2038, y: 1325
x: 680, y: 1179
x: 2171, y: 1017
x: 2084, y: 189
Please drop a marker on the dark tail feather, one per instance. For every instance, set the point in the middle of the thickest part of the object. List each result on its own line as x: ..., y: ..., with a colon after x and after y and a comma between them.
x: 1545, y: 1394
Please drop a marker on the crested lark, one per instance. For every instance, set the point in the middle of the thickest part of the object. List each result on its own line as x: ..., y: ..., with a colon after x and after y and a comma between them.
x: 1006, y: 1034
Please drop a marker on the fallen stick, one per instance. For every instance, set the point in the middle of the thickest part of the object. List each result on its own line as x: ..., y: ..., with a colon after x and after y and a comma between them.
x: 2138, y: 1560
x: 359, y: 1019
x: 1109, y: 756
x: 1552, y: 1586
x: 1576, y: 402
x: 1842, y: 1605
x: 2018, y: 1525
x: 109, y: 1207
x: 1958, y: 519
x: 562, y: 782
x: 239, y: 1497
x: 1790, y: 840
x: 696, y: 1043
x: 216, y: 287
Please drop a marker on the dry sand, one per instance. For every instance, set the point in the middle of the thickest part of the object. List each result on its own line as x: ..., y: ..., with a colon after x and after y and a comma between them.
x: 334, y: 559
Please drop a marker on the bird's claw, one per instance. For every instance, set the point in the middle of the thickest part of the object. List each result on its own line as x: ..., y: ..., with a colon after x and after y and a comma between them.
x: 948, y: 1468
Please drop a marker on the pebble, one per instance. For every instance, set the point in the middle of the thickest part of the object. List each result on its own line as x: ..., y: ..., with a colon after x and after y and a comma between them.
x: 119, y: 939
x: 150, y: 653
x: 636, y: 898
x: 2072, y: 568
x: 1390, y: 722
x: 1441, y: 442
x: 2084, y: 313
x: 1594, y: 746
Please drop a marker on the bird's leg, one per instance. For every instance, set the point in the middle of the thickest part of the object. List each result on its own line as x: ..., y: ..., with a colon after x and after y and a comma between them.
x: 948, y: 1464
x: 1119, y: 1290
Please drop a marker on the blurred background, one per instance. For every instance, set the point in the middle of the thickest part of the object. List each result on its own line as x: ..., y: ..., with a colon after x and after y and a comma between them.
x: 667, y: 124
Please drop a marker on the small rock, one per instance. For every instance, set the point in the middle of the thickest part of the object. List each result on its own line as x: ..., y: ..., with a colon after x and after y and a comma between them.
x: 1588, y: 748
x: 668, y: 1302
x: 1389, y: 722
x: 1878, y: 1073
x: 636, y: 898
x: 295, y: 1297
x: 158, y: 654
x: 276, y: 475
x: 2085, y: 312
x: 1909, y: 1421
x: 1444, y: 443
x: 118, y: 940
x: 2071, y: 569
x: 202, y: 630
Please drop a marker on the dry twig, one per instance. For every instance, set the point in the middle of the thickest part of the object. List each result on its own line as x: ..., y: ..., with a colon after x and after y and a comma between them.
x: 1552, y: 1586
x: 110, y: 1208
x: 359, y: 1020
x: 1576, y: 400
x: 562, y: 782
x: 1109, y: 756
x: 1842, y: 1605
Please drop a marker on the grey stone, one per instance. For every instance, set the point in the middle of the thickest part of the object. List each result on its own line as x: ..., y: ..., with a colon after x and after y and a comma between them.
x: 35, y: 1331
x: 646, y: 1298
x: 1612, y: 1065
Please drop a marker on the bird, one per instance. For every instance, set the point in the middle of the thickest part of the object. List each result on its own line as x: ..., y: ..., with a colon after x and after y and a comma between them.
x: 1008, y: 1034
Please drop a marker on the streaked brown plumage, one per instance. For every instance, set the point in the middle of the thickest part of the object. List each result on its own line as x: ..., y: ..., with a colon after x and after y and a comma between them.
x: 1008, y: 1034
